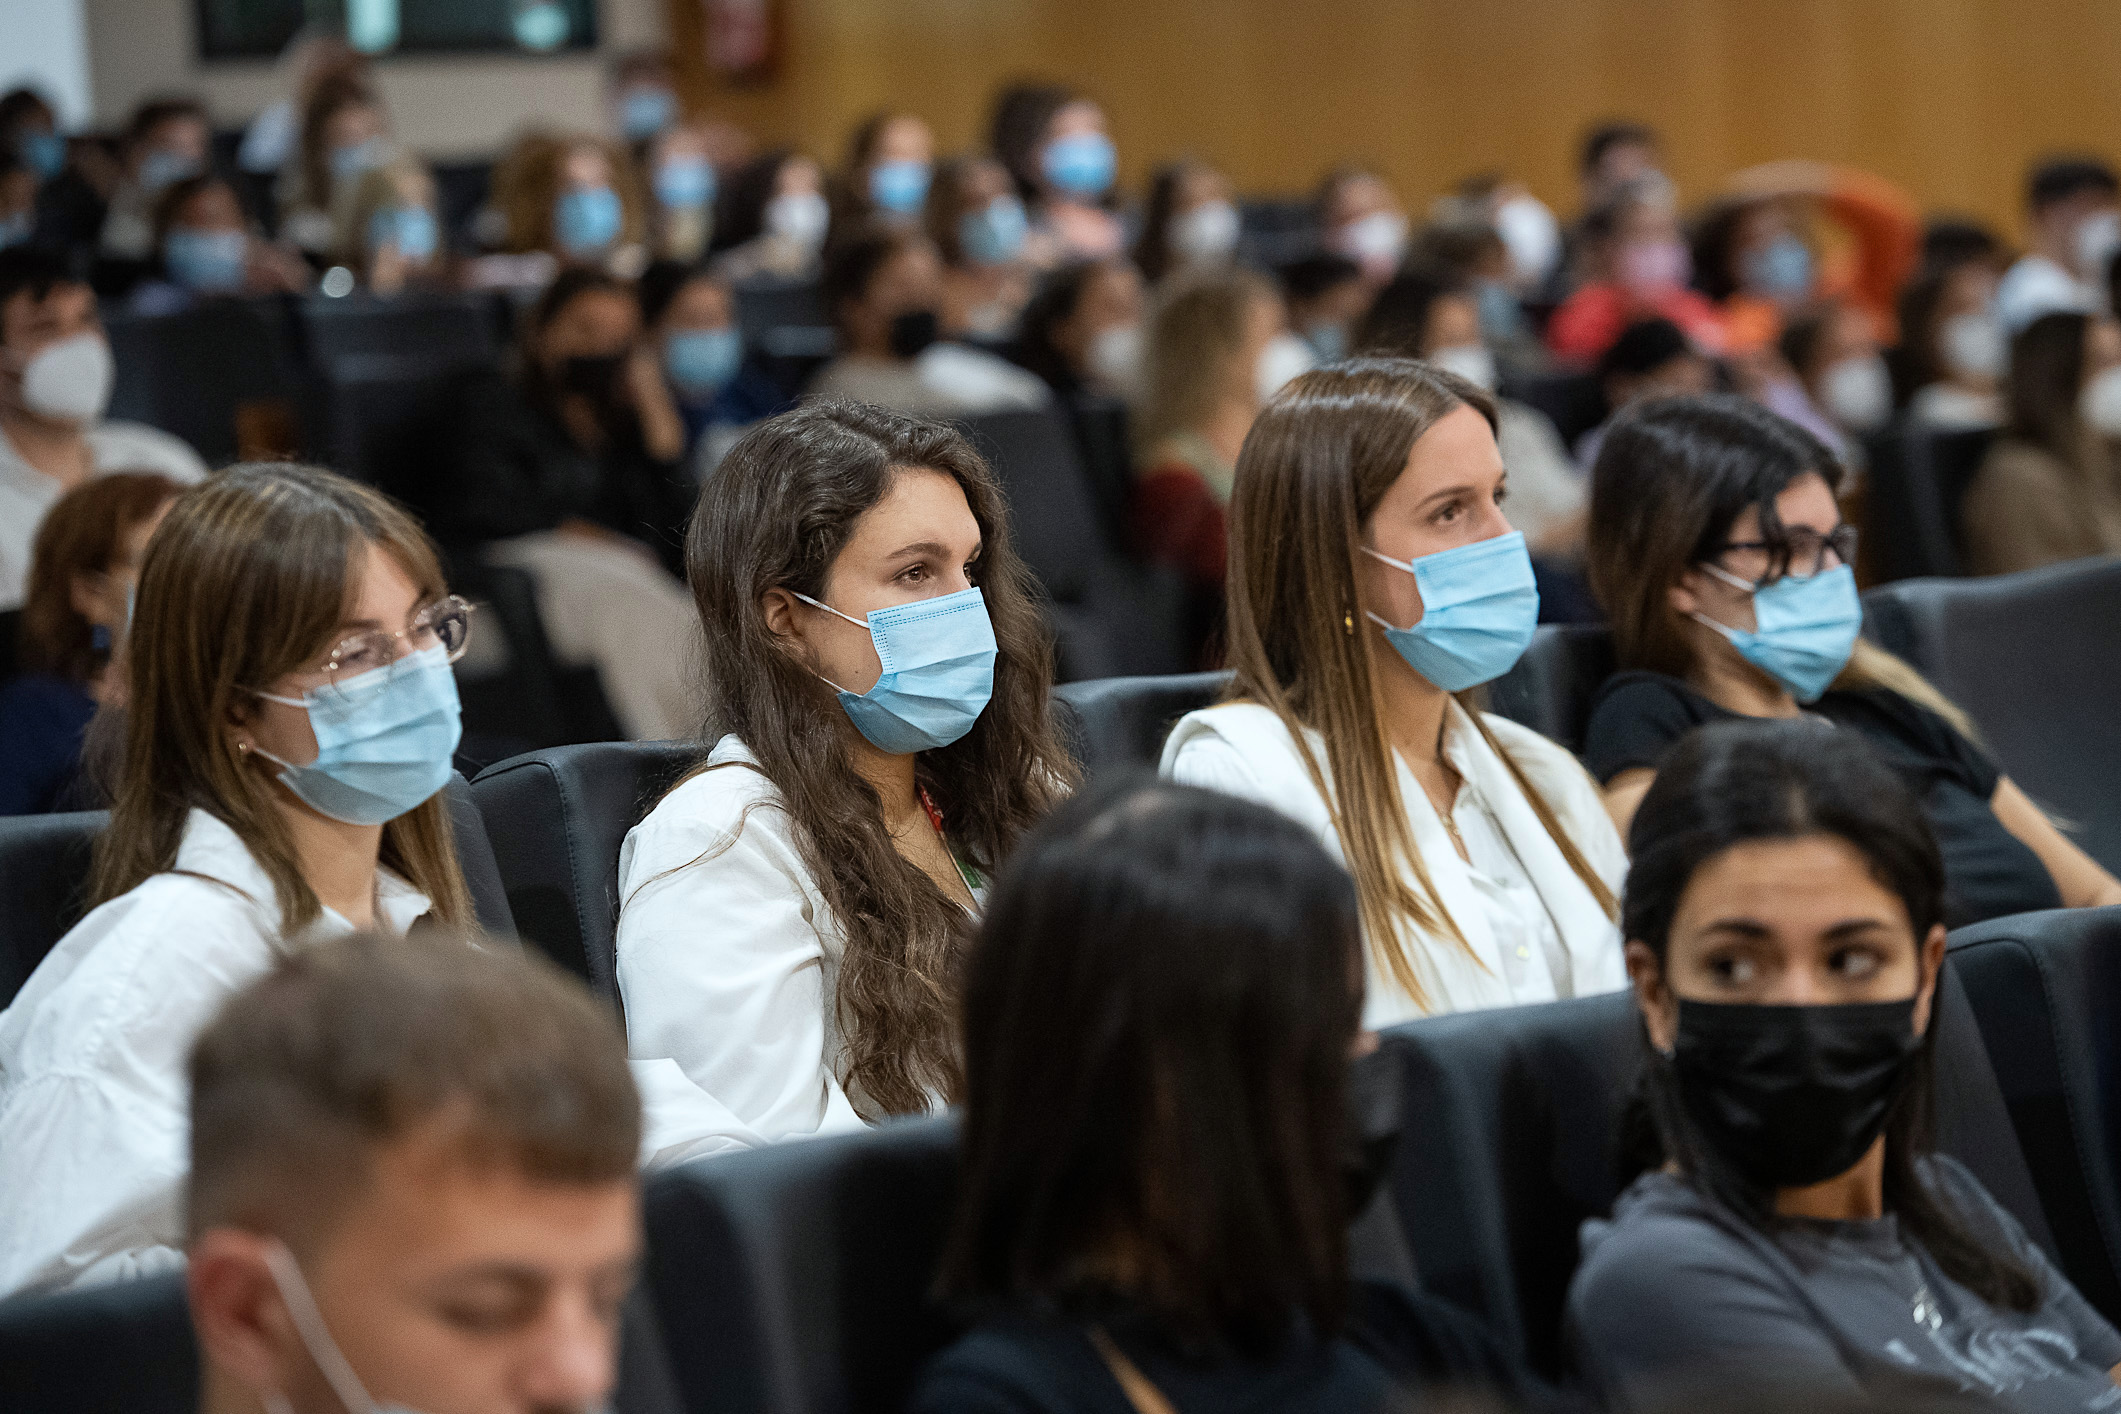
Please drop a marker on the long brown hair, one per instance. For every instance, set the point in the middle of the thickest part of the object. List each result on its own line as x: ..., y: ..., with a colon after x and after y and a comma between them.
x: 1319, y: 459
x: 247, y: 579
x: 80, y: 535
x: 526, y: 184
x: 778, y: 511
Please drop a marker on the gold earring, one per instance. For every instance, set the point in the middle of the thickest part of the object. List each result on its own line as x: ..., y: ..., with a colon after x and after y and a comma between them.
x: 1347, y: 623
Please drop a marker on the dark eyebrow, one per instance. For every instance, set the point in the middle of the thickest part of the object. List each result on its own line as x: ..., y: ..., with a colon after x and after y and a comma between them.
x: 1849, y: 927
x: 1744, y: 927
x: 929, y: 548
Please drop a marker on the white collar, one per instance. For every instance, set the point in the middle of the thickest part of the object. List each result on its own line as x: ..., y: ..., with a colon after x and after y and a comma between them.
x: 211, y: 850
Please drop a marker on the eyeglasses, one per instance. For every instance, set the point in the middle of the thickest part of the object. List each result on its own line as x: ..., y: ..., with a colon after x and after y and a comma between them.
x: 444, y: 624
x: 1801, y: 552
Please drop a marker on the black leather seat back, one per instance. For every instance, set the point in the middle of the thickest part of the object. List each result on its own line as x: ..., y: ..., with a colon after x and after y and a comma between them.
x: 556, y: 819
x: 2046, y: 992
x: 190, y: 373
x: 1573, y: 402
x: 458, y: 327
x: 2035, y: 659
x: 1914, y: 482
x: 796, y: 1279
x: 386, y: 418
x: 1052, y: 517
x: 44, y: 863
x: 1512, y: 1138
x: 1118, y: 724
x: 1552, y: 686
x: 123, y: 1348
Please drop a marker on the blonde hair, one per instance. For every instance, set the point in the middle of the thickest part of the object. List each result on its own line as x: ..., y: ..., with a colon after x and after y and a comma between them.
x: 247, y: 579
x: 381, y: 187
x: 1195, y: 328
x: 1317, y: 462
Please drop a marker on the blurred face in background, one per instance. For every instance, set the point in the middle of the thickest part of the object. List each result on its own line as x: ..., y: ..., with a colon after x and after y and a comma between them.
x: 18, y: 201
x: 1109, y: 311
x: 208, y: 245
x: 584, y: 348
x: 30, y: 326
x: 175, y: 148
x: 910, y: 282
x: 1619, y: 164
x: 1365, y: 223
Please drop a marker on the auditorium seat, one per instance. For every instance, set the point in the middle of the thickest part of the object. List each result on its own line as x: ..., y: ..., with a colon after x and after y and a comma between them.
x: 1573, y: 402
x: 2035, y: 659
x: 460, y: 192
x: 462, y: 328
x: 122, y: 1348
x: 1116, y: 724
x: 1552, y: 686
x: 221, y: 376
x: 388, y: 418
x: 44, y: 864
x: 556, y: 819
x: 1511, y: 1140
x: 2046, y: 991
x: 1914, y: 481
x: 796, y: 1279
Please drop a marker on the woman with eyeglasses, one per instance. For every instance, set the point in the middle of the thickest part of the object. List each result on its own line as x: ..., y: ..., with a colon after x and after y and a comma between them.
x: 1718, y: 551
x: 291, y: 721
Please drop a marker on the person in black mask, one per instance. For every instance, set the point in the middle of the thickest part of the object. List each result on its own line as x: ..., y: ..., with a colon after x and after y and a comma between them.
x: 1165, y: 1136
x: 569, y: 468
x: 1785, y: 922
x: 884, y: 289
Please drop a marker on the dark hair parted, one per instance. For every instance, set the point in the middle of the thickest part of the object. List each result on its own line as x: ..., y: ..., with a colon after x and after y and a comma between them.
x: 1158, y: 1017
x: 1734, y: 783
x: 775, y: 515
x: 81, y: 536
x: 2046, y: 375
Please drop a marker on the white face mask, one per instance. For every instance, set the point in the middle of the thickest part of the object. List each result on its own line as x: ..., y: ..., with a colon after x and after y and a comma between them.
x: 1859, y: 393
x: 799, y: 218
x: 1285, y: 357
x: 1531, y: 235
x: 2098, y: 237
x: 1375, y: 242
x: 1472, y: 362
x: 71, y: 380
x: 1973, y: 345
x: 1206, y: 233
x: 1115, y: 359
x: 2100, y: 403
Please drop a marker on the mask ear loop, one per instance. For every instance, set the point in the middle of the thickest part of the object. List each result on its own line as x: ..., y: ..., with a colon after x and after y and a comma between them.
x: 815, y: 604
x: 309, y: 1324
x: 1734, y: 582
x: 1407, y: 566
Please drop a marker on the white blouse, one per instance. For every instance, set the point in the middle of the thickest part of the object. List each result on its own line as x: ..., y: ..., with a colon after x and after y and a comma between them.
x: 1533, y: 930
x: 94, y: 1097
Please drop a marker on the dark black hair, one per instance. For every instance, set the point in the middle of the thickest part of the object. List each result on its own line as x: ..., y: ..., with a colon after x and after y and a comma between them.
x: 154, y: 112
x: 1022, y: 113
x: 1644, y: 347
x: 1735, y: 782
x: 1152, y: 250
x: 852, y: 268
x: 1955, y: 240
x: 1604, y: 137
x: 1053, y: 304
x: 2046, y: 375
x: 662, y: 282
x: 20, y: 105
x: 1397, y: 322
x: 1158, y: 1016
x: 1714, y: 249
x: 35, y: 270
x: 740, y: 206
x: 1315, y: 274
x: 2060, y: 178
x: 1802, y: 337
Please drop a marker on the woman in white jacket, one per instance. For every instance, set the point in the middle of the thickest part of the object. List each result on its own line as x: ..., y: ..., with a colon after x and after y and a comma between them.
x: 792, y: 913
x: 1374, y: 582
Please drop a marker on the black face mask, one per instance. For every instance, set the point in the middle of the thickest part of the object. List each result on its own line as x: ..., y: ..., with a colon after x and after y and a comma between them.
x: 1792, y: 1095
x: 913, y: 331
x: 1375, y: 1110
x: 593, y: 376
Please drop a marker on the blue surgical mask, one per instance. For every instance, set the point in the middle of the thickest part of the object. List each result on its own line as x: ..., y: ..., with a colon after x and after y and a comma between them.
x: 44, y: 154
x: 647, y: 111
x: 410, y: 228
x: 16, y: 229
x: 938, y: 658
x: 1781, y: 269
x: 685, y: 183
x: 1479, y: 607
x: 161, y: 167
x: 994, y: 234
x: 701, y: 362
x: 210, y: 262
x: 1805, y: 628
x: 1329, y: 341
x: 1081, y: 164
x: 586, y: 219
x: 899, y: 187
x: 348, y: 163
x: 385, y: 739
x: 1501, y: 316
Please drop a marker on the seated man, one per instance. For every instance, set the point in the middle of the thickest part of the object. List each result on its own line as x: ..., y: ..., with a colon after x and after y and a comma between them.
x: 55, y: 380
x: 412, y: 1186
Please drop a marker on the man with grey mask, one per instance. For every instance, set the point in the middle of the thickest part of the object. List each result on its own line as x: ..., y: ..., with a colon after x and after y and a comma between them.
x: 56, y: 373
x: 412, y: 1187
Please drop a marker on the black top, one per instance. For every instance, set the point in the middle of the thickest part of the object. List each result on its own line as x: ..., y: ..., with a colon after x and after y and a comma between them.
x: 1398, y: 1341
x: 1989, y: 872
x: 516, y: 471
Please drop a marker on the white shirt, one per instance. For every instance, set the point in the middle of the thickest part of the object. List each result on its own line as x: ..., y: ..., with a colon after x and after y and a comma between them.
x: 2037, y: 285
x: 728, y: 964
x: 1533, y: 930
x: 27, y: 493
x: 944, y: 380
x: 94, y: 1105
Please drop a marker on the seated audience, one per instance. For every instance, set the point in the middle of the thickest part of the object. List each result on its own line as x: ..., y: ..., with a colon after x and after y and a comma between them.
x: 2076, y: 231
x: 1191, y: 223
x: 1785, y: 919
x: 575, y: 199
x: 1843, y: 391
x: 272, y: 141
x: 1486, y: 868
x: 793, y: 913
x: 2050, y: 487
x: 390, y: 230
x: 289, y: 728
x: 770, y: 220
x: 885, y: 293
x: 56, y: 373
x: 29, y: 133
x: 679, y: 169
x: 978, y: 224
x: 1360, y: 219
x: 411, y: 1186
x: 690, y: 316
x: 1953, y: 348
x: 641, y: 93
x: 84, y: 566
x: 1327, y: 298
x: 1720, y: 555
x: 1462, y: 244
x: 1082, y: 331
x: 1054, y: 143
x: 166, y: 140
x: 1153, y: 953
x: 345, y: 136
x: 206, y: 250
x: 1634, y: 267
x: 890, y: 166
x: 571, y: 469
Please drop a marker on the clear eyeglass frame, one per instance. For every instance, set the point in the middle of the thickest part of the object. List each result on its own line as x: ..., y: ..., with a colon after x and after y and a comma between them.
x: 446, y: 623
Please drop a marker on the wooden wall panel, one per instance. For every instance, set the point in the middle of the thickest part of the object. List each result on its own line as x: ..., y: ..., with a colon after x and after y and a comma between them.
x: 1950, y: 98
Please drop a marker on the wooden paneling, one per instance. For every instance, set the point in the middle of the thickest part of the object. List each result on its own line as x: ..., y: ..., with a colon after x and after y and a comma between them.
x: 1950, y: 98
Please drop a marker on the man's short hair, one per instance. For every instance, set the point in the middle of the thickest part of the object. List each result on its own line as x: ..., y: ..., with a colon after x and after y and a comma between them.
x: 2061, y: 178
x: 154, y: 112
x: 345, y: 1047
x: 1604, y: 137
x: 37, y: 271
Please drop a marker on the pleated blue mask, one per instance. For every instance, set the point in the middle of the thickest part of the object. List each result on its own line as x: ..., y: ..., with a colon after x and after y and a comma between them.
x: 1479, y: 606
x: 385, y: 739
x: 938, y: 659
x: 1805, y: 628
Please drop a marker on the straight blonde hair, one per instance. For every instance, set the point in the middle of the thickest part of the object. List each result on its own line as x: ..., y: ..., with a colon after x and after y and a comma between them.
x: 1197, y: 326
x: 246, y: 580
x: 1317, y: 462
